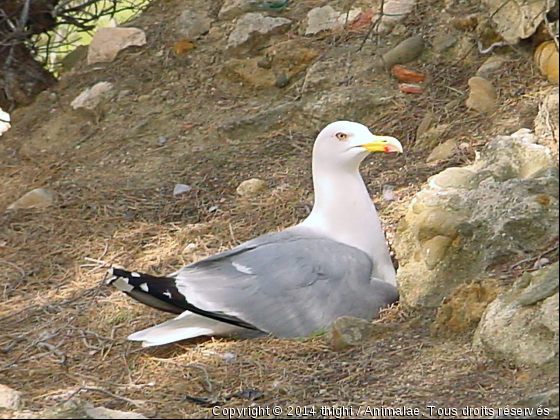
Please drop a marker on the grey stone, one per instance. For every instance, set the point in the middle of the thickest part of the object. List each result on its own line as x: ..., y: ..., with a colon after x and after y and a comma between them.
x: 541, y: 287
x: 93, y: 96
x: 520, y: 330
x: 37, y: 198
x: 255, y: 27
x: 443, y: 42
x: 348, y: 331
x: 193, y: 23
x: 265, y: 62
x: 181, y: 189
x: 408, y: 50
x: 491, y: 66
x: 10, y: 398
x: 282, y: 80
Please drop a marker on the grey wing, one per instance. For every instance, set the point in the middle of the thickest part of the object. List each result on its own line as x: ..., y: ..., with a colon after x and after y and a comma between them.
x: 287, y: 285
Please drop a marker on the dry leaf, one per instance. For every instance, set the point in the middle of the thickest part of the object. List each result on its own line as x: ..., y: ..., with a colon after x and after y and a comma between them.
x: 407, y: 76
x: 183, y: 47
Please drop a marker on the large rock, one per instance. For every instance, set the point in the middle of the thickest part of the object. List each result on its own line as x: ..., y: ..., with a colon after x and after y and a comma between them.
x: 193, y: 23
x: 521, y: 325
x: 468, y: 221
x: 254, y: 28
x: 517, y: 19
x: 107, y: 42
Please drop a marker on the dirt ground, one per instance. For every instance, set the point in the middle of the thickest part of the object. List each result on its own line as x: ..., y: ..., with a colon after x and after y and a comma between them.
x: 63, y: 332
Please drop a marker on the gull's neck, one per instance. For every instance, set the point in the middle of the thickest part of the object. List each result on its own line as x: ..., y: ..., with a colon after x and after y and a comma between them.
x: 344, y: 212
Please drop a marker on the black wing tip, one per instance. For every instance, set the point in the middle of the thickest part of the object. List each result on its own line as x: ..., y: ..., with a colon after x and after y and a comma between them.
x: 115, y: 273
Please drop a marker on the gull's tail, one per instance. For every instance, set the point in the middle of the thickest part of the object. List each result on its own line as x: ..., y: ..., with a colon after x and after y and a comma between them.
x: 162, y: 293
x: 185, y: 326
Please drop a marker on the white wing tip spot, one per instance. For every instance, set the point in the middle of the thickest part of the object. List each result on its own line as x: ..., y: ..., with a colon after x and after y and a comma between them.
x: 242, y: 268
x: 144, y: 287
x: 122, y: 285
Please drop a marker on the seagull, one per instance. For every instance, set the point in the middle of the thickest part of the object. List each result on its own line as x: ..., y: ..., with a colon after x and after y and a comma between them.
x: 291, y: 283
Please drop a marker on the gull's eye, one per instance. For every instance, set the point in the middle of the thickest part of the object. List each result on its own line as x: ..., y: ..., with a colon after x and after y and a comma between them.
x: 341, y: 136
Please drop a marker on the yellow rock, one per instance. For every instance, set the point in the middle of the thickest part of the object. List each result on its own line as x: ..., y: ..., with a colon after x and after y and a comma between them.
x: 251, y: 187
x: 546, y: 59
x: 464, y: 308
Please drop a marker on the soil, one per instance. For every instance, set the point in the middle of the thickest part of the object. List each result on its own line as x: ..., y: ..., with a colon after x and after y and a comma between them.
x: 114, y: 169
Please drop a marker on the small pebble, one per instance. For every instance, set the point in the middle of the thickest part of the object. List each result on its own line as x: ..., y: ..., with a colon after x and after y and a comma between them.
x: 282, y: 80
x: 540, y: 263
x: 265, y: 62
x: 388, y: 194
x: 181, y: 189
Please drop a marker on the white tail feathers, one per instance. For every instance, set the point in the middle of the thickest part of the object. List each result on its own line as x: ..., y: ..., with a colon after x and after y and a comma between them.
x: 185, y: 326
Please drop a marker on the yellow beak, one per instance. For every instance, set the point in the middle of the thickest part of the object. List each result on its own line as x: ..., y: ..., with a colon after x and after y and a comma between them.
x: 385, y: 144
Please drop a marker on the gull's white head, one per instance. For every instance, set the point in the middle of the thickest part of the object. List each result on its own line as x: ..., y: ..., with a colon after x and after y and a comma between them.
x: 344, y: 144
